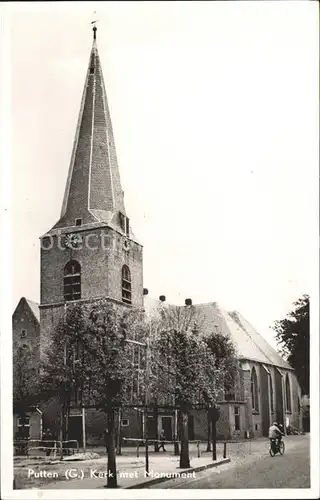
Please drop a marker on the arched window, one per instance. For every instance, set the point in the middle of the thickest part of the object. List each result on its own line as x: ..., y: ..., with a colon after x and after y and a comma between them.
x: 271, y: 394
x: 72, y: 281
x: 288, y: 394
x: 126, y: 285
x: 254, y: 390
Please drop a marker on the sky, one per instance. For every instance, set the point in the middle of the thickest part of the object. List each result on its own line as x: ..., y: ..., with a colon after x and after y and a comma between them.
x: 214, y: 111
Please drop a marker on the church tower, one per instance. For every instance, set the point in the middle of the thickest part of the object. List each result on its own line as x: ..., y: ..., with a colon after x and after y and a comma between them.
x: 91, y: 252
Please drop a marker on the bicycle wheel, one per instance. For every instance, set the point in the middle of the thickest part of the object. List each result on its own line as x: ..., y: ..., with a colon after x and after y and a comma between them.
x: 281, y: 448
x: 271, y: 451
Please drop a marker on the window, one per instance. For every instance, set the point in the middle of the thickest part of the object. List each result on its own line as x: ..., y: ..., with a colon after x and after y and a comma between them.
x: 271, y: 394
x: 254, y: 390
x: 127, y: 227
x: 24, y: 422
x: 126, y: 285
x: 72, y: 281
x: 288, y: 394
x: 124, y: 223
x: 125, y: 422
x: 229, y: 390
x: 23, y: 333
x: 78, y: 222
x: 237, y: 418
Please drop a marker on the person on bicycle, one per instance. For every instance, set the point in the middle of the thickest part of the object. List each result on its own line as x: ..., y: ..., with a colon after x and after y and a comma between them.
x: 275, y: 433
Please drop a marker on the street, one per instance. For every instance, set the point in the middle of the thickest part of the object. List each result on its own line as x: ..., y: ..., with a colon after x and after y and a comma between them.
x: 292, y: 470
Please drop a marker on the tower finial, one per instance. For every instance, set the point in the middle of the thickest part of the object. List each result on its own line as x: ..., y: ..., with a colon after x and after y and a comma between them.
x: 94, y: 29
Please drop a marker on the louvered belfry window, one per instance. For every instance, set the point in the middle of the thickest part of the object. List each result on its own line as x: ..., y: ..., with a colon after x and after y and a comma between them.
x: 72, y: 281
x: 126, y: 285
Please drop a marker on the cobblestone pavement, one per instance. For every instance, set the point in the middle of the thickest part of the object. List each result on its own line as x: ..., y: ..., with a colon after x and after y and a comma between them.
x: 252, y: 467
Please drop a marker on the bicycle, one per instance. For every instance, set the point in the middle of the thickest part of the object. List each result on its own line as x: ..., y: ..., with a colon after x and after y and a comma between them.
x: 276, y: 446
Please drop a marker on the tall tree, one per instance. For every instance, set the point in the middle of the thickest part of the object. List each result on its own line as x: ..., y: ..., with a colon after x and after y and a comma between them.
x: 183, y: 368
x: 88, y: 362
x: 25, y: 379
x: 226, y: 360
x: 293, y: 338
x: 61, y: 377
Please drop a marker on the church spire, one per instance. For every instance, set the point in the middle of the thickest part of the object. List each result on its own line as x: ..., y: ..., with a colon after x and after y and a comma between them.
x: 93, y: 191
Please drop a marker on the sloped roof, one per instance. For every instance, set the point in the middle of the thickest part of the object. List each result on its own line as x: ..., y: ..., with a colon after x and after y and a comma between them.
x: 93, y: 190
x: 33, y: 306
x: 269, y: 352
x: 248, y: 342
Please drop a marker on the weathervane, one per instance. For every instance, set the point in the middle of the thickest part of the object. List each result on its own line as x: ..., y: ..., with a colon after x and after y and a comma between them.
x: 94, y: 25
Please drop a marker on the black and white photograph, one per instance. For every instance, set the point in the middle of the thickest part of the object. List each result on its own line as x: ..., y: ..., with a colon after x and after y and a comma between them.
x: 159, y: 249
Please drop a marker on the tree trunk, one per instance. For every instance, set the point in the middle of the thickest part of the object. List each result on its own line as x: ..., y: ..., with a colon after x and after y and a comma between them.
x: 119, y: 436
x: 156, y: 444
x: 208, y: 431
x: 176, y: 434
x: 112, y: 469
x: 184, y: 454
x: 214, y: 438
x: 64, y: 420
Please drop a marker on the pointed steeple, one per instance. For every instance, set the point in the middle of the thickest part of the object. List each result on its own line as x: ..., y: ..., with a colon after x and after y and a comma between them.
x: 93, y: 192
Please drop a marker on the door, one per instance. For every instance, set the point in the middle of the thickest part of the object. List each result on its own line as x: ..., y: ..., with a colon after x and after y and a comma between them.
x: 75, y: 430
x: 151, y: 427
x: 167, y: 427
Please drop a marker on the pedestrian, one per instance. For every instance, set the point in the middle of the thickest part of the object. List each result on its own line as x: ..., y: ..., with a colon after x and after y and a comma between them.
x: 48, y: 444
x: 162, y: 439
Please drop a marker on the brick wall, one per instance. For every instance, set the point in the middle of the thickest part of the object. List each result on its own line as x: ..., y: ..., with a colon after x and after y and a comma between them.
x: 265, y: 401
x: 100, y: 267
x: 248, y: 422
x: 100, y: 273
x: 49, y: 319
x: 279, y: 398
x: 23, y: 319
x: 295, y: 416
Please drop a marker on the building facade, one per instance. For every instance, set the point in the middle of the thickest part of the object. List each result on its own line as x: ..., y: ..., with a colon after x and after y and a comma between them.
x: 92, y: 253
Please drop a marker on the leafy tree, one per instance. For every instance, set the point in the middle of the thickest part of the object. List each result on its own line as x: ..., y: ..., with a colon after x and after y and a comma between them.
x: 25, y: 379
x: 88, y: 362
x: 293, y: 338
x: 225, y: 361
x: 60, y: 367
x: 183, y: 369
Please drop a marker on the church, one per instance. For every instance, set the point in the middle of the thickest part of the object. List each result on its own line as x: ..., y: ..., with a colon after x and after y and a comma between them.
x: 92, y: 253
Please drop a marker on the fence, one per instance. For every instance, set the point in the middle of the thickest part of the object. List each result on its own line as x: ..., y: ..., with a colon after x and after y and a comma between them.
x: 22, y: 447
x: 140, y: 442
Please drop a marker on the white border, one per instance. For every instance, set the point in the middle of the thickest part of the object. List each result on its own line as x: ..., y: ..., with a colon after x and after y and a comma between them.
x: 6, y: 311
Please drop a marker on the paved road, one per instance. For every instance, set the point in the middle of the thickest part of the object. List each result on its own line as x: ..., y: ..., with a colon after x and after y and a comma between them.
x: 292, y: 470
